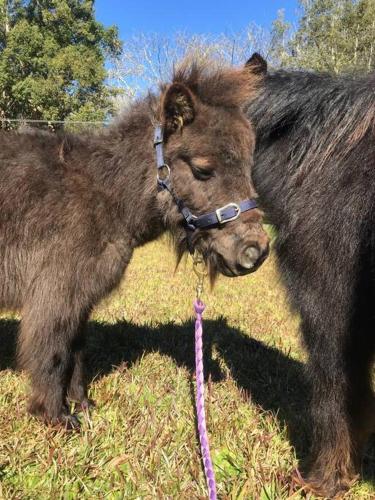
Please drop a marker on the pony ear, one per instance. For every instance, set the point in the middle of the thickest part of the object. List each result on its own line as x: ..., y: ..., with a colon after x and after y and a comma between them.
x: 256, y: 64
x: 178, y: 107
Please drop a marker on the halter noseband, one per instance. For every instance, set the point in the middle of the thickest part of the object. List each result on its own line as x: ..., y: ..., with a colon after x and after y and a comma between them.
x: 222, y: 215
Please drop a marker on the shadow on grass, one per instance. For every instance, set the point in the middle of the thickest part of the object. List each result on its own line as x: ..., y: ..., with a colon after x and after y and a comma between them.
x: 271, y: 379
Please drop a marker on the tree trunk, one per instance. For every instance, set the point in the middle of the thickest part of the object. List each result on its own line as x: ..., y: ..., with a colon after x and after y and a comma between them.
x: 369, y: 64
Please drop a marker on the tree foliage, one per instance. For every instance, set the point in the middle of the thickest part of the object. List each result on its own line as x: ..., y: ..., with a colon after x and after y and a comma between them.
x: 53, y: 53
x: 335, y: 36
x: 52, y: 60
x: 148, y: 58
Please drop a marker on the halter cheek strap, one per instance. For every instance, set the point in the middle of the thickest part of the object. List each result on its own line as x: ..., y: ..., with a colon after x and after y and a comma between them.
x: 222, y: 215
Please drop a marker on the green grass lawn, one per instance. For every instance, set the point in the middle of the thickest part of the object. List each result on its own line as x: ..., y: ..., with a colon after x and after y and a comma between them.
x: 140, y: 441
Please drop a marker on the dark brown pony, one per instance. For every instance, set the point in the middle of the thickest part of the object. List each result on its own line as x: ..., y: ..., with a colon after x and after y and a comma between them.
x: 315, y: 174
x: 73, y: 208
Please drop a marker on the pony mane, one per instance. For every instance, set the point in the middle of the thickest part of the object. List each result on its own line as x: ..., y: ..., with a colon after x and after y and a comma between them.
x: 326, y: 116
x: 213, y: 84
x: 216, y: 85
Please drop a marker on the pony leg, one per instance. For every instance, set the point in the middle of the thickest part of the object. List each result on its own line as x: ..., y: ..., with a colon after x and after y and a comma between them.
x: 342, y: 408
x: 77, y: 389
x: 45, y: 351
x: 332, y: 462
x: 361, y: 400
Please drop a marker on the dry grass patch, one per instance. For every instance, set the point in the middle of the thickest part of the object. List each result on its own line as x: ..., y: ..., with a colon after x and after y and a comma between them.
x: 140, y: 441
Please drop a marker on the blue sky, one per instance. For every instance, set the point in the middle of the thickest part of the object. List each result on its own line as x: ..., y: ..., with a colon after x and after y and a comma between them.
x: 192, y: 16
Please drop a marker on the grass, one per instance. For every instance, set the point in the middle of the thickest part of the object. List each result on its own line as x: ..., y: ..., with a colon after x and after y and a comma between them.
x: 140, y: 441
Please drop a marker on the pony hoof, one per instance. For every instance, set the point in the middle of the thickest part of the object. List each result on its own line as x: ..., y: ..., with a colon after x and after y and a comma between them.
x: 65, y: 422
x: 333, y: 489
x: 87, y: 404
x: 70, y: 423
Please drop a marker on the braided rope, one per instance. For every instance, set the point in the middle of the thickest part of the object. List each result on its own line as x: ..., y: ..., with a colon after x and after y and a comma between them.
x: 202, y: 429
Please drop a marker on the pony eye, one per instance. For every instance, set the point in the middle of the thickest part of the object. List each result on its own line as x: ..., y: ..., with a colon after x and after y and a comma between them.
x: 202, y: 174
x: 199, y: 172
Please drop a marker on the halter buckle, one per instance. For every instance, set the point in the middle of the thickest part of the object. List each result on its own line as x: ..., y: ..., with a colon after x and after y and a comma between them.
x: 220, y: 217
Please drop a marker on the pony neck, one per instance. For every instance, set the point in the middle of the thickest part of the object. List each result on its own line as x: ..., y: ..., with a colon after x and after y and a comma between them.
x: 124, y: 167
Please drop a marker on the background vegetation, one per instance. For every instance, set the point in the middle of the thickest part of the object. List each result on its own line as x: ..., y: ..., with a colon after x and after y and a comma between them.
x: 58, y: 63
x: 330, y: 35
x: 52, y: 56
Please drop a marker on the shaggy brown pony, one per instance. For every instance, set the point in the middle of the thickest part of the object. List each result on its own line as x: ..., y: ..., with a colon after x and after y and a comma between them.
x: 314, y: 171
x: 73, y: 208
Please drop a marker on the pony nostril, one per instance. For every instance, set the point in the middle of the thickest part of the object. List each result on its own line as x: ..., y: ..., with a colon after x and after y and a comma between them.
x: 249, y: 257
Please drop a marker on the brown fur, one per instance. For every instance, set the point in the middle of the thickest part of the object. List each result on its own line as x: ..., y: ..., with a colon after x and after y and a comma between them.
x: 73, y: 208
x: 367, y: 124
x: 314, y: 171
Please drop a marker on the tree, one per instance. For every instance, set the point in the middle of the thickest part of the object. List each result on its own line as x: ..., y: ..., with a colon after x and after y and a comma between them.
x: 148, y: 59
x: 335, y: 36
x: 52, y: 60
x: 278, y: 52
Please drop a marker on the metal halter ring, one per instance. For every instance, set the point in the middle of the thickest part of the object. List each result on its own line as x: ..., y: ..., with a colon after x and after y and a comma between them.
x: 199, y: 265
x: 167, y: 172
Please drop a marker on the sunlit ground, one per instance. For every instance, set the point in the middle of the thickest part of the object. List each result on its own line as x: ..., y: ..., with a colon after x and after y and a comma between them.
x: 140, y: 441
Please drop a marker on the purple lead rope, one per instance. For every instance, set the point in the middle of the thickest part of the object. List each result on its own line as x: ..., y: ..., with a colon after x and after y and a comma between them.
x: 202, y: 429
